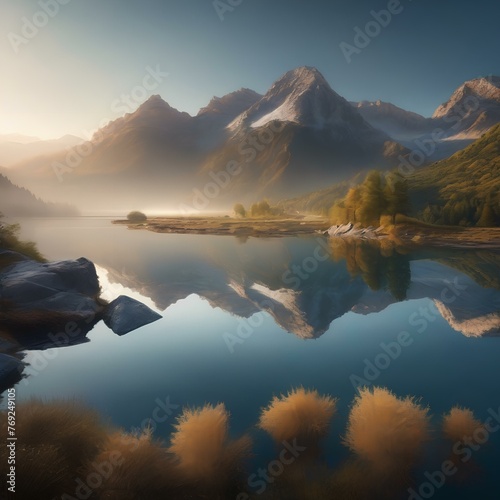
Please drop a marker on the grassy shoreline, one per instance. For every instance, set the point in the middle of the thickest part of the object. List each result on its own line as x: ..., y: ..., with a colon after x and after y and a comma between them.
x: 478, y: 238
x: 293, y: 225
x: 407, y: 232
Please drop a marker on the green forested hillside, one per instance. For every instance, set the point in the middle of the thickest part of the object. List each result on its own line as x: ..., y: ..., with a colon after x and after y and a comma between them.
x: 320, y: 202
x: 462, y: 189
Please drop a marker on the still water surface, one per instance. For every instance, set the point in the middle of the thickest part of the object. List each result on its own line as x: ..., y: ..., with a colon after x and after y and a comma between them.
x: 244, y: 320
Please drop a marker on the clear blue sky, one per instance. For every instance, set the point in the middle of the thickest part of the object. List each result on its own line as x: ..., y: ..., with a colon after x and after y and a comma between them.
x: 67, y: 77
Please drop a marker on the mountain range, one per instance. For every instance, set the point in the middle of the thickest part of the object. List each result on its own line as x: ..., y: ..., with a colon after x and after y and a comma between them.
x: 16, y: 148
x: 299, y: 124
x: 472, y: 110
x: 17, y: 201
x: 300, y: 136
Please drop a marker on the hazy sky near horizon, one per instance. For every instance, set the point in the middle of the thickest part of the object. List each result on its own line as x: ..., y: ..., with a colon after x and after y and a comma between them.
x: 69, y: 75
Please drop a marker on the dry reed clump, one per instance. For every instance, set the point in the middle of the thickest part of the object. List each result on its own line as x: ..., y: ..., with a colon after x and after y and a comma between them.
x: 301, y: 414
x: 354, y: 480
x: 76, y: 431
x: 140, y: 469
x: 55, y: 440
x: 460, y: 423
x: 386, y: 431
x: 41, y: 472
x: 201, y: 444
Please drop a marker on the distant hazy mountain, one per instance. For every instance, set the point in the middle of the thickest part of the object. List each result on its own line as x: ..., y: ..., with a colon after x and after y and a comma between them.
x: 156, y: 156
x: 144, y: 156
x: 394, y: 121
x: 471, y: 110
x: 16, y: 201
x: 21, y: 138
x: 15, y: 148
x: 148, y: 158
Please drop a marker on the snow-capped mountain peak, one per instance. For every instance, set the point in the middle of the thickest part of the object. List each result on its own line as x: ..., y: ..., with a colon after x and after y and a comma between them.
x: 298, y: 80
x: 484, y: 89
x: 301, y: 96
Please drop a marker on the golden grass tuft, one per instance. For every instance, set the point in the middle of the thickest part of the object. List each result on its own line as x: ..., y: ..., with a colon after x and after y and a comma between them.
x: 141, y: 469
x: 302, y: 414
x: 460, y: 423
x: 354, y: 480
x: 385, y: 430
x: 75, y: 430
x: 55, y: 440
x: 201, y: 444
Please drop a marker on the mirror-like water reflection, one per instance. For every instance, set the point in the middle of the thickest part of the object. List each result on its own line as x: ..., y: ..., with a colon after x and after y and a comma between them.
x: 246, y: 320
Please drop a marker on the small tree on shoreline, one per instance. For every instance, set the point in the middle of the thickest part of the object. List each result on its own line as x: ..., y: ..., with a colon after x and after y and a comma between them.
x: 239, y: 210
x: 136, y: 216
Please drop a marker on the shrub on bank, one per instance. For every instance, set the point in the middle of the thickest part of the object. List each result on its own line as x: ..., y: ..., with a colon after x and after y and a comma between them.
x: 136, y: 216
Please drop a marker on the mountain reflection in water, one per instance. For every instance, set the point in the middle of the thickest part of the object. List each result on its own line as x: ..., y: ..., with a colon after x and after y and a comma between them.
x: 305, y: 284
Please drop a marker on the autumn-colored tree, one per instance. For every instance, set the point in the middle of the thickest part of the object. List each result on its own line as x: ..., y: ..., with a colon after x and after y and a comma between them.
x: 396, y: 195
x: 487, y: 218
x: 352, y: 203
x: 372, y: 199
x: 239, y: 210
x: 264, y: 209
x: 338, y: 214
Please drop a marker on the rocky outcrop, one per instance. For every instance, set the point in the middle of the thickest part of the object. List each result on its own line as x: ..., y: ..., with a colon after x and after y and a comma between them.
x: 39, y: 296
x: 68, y: 288
x: 55, y: 304
x: 125, y: 314
x: 10, y: 370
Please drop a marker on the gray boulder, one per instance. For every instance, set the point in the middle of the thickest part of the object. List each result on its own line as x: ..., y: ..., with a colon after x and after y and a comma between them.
x: 125, y: 314
x: 49, y: 294
x: 9, y: 366
x: 77, y: 276
x: 66, y: 287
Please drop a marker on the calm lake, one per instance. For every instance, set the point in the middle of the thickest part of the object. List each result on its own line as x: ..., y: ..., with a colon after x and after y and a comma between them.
x: 244, y: 320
